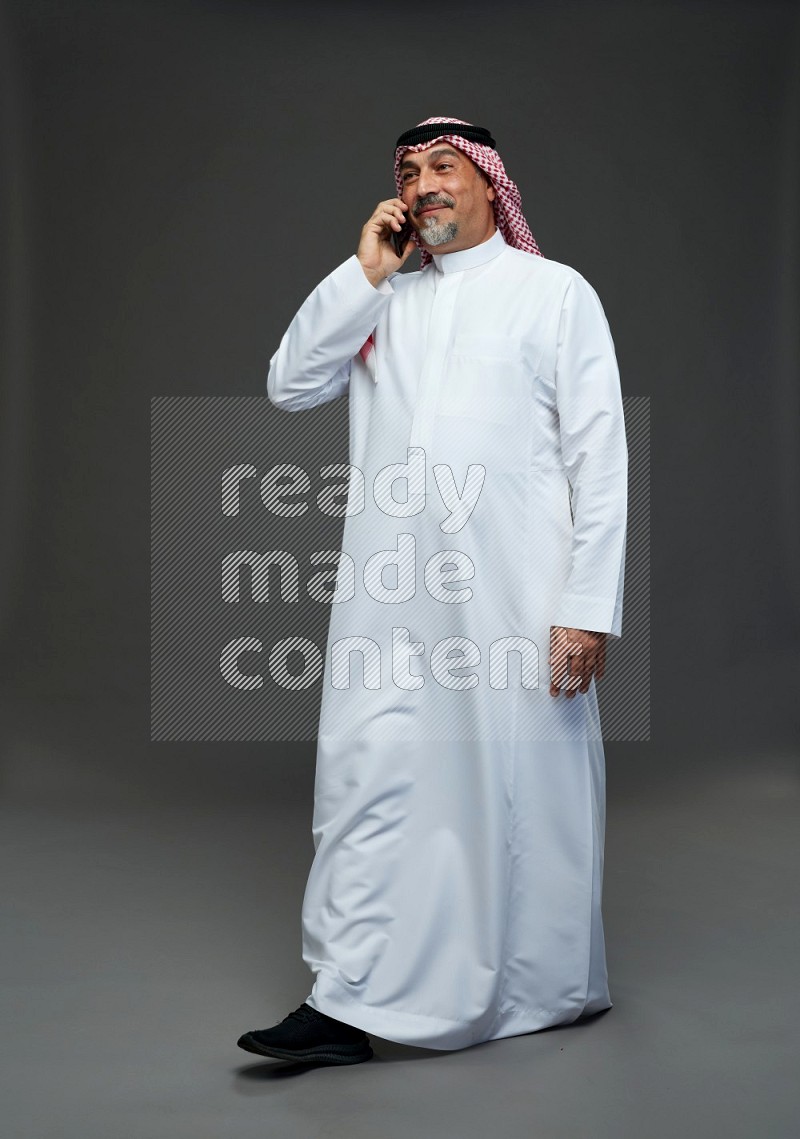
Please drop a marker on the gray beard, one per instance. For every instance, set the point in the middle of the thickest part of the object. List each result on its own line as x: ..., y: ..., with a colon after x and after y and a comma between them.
x: 434, y: 232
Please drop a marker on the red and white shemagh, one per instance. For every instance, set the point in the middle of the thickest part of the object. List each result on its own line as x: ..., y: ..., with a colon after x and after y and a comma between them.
x: 508, y: 214
x: 507, y: 204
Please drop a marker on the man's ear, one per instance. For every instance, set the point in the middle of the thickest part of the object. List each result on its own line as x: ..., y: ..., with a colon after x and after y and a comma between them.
x: 490, y: 190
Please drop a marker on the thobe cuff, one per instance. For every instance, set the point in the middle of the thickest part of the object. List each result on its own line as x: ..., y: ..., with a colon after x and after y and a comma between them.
x: 596, y: 614
x: 353, y: 281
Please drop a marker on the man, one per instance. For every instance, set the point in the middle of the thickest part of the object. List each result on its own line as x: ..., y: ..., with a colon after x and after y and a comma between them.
x: 459, y: 815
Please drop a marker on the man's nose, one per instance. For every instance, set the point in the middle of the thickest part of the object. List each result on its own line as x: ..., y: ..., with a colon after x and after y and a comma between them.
x: 427, y: 183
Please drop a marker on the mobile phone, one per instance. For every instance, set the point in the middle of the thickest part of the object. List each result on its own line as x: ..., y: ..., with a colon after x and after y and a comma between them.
x: 400, y: 238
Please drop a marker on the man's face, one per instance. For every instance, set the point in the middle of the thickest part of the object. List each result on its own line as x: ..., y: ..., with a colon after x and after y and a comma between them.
x: 449, y: 200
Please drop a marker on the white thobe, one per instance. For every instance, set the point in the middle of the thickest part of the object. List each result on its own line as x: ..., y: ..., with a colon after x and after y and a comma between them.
x: 459, y: 810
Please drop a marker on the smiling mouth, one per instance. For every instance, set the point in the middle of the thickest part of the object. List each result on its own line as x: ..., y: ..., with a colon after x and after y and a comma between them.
x: 431, y: 210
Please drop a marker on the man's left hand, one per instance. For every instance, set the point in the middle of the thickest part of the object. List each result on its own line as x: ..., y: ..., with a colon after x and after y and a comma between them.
x: 576, y: 655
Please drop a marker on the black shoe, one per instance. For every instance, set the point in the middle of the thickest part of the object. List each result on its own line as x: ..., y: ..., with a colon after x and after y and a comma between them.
x: 306, y: 1035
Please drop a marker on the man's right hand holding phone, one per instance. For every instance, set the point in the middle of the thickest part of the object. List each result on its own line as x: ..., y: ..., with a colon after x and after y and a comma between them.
x: 376, y: 249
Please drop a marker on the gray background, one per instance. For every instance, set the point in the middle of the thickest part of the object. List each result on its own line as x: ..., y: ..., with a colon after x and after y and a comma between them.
x: 176, y: 178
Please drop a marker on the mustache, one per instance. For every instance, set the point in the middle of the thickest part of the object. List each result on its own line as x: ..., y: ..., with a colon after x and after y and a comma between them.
x: 432, y: 200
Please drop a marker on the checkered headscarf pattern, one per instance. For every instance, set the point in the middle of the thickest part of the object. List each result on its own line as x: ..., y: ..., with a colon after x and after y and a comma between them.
x: 508, y: 214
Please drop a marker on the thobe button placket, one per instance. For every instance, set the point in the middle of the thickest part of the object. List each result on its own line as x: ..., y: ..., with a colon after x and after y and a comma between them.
x: 439, y: 330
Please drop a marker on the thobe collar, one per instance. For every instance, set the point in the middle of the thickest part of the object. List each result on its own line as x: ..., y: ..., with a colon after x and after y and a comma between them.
x: 469, y: 258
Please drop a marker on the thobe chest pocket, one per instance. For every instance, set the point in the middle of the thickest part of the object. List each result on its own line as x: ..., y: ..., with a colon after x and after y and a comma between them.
x: 485, y: 378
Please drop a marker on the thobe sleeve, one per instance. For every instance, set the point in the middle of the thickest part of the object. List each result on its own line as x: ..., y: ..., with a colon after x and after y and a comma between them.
x: 312, y: 363
x: 595, y: 456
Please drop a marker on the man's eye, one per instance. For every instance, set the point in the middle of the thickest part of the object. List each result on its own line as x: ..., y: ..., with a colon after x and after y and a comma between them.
x: 445, y: 165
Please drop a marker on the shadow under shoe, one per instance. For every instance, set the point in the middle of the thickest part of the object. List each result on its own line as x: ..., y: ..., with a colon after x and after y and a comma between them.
x: 307, y: 1035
